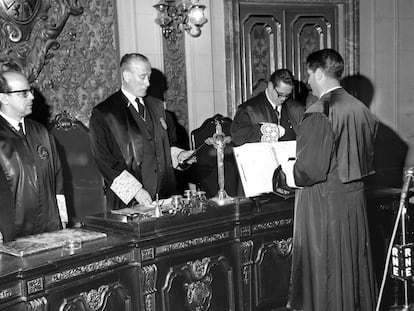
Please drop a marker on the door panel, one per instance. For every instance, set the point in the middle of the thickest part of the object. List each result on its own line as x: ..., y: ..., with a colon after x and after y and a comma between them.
x: 282, y: 36
x: 266, y: 35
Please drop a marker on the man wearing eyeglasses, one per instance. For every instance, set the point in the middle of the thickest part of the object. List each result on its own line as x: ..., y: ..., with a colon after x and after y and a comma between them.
x: 271, y: 115
x: 30, y: 173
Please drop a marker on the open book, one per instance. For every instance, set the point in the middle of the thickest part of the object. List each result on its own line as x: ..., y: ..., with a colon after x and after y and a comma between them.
x: 257, y: 162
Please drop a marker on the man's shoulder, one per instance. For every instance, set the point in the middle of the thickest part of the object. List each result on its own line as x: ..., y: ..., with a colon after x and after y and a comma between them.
x: 294, y: 104
x: 344, y: 101
x: 34, y: 124
x: 154, y: 101
x: 36, y: 128
x: 112, y: 103
x: 154, y: 104
x: 258, y: 100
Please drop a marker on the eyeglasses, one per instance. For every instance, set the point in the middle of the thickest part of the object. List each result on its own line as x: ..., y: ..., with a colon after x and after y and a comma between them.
x: 279, y: 95
x: 24, y: 93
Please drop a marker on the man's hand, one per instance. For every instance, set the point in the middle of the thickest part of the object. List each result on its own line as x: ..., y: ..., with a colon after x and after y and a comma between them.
x: 143, y: 197
x: 188, y: 156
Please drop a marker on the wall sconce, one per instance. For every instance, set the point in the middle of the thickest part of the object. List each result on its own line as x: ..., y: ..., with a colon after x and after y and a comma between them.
x: 174, y: 16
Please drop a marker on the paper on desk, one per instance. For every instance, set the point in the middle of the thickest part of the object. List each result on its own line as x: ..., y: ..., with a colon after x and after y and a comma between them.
x: 257, y: 162
x: 165, y: 204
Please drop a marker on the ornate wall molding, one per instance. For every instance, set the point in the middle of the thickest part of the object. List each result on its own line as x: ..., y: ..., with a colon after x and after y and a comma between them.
x: 176, y: 76
x: 85, y: 69
x: 68, y: 49
x: 29, y: 30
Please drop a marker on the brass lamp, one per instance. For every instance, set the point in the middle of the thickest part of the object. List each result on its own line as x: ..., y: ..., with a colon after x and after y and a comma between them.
x: 174, y: 16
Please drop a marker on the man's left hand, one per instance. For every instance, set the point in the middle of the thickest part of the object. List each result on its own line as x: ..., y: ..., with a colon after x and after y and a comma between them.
x: 187, y: 156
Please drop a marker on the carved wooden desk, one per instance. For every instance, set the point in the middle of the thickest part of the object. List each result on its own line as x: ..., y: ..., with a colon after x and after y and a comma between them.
x: 231, y: 257
x: 99, y: 276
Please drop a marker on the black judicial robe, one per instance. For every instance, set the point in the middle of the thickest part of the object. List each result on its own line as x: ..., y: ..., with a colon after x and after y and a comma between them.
x: 30, y: 165
x: 245, y: 127
x: 331, y: 262
x: 121, y: 140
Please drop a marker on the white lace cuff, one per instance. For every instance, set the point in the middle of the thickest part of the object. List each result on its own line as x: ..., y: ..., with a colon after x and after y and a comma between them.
x: 126, y: 186
x: 271, y: 132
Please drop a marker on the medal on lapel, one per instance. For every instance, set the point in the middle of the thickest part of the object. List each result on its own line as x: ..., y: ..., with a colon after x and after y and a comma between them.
x: 42, y: 152
x: 163, y: 123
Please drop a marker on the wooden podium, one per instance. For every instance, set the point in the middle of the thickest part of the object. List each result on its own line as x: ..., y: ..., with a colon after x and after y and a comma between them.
x: 229, y: 257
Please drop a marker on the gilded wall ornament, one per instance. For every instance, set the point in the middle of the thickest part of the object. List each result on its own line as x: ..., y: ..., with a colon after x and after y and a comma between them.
x: 29, y: 31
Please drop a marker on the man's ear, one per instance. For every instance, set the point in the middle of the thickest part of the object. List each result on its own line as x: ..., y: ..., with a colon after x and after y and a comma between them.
x: 3, y: 98
x: 319, y: 73
x: 270, y: 85
x: 125, y: 76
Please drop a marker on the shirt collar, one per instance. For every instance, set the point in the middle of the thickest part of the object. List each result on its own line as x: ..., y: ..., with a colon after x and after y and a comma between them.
x: 13, y: 122
x: 274, y: 106
x: 131, y: 98
x: 270, y: 101
x: 330, y: 90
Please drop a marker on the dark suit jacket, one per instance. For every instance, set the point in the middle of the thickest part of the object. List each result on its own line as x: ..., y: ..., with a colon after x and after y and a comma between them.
x: 121, y: 140
x: 30, y: 178
x: 246, y: 124
x: 354, y: 127
x: 7, y: 227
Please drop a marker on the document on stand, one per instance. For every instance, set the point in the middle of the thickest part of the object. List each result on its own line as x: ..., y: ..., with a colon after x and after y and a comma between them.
x: 257, y: 162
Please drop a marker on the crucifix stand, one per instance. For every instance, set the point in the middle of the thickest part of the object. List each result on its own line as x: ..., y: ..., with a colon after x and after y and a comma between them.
x: 219, y: 141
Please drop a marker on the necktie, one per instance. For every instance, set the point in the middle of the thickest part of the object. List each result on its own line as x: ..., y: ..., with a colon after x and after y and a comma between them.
x: 277, y: 115
x: 21, y: 129
x: 141, y: 107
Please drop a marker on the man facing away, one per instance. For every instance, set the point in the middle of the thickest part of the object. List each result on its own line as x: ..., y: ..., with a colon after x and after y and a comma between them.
x: 331, y: 260
x: 129, y: 140
x: 30, y: 175
x: 271, y: 115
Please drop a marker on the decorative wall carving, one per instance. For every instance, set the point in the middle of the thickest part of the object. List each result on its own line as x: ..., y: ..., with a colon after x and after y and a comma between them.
x: 85, y: 69
x: 66, y: 48
x: 175, y: 72
x: 29, y: 29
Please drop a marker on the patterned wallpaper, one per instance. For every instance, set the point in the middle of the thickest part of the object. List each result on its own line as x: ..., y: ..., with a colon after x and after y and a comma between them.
x: 84, y: 69
x: 175, y: 72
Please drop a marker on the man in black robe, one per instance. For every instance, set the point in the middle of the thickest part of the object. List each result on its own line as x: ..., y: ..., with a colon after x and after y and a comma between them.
x: 129, y: 140
x: 30, y: 175
x: 272, y: 115
x: 331, y: 262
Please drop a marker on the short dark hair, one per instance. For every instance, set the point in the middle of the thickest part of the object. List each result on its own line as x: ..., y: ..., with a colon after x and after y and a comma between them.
x: 4, y: 85
x: 128, y: 58
x: 329, y: 60
x: 284, y: 75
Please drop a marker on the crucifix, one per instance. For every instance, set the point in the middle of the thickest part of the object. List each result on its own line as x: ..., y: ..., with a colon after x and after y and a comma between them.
x: 219, y: 141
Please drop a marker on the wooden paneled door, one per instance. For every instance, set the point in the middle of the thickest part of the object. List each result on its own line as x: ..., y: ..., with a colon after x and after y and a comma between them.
x: 268, y: 35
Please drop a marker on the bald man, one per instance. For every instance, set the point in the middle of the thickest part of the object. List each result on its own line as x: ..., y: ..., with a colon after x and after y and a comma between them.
x: 129, y: 140
x: 30, y: 174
